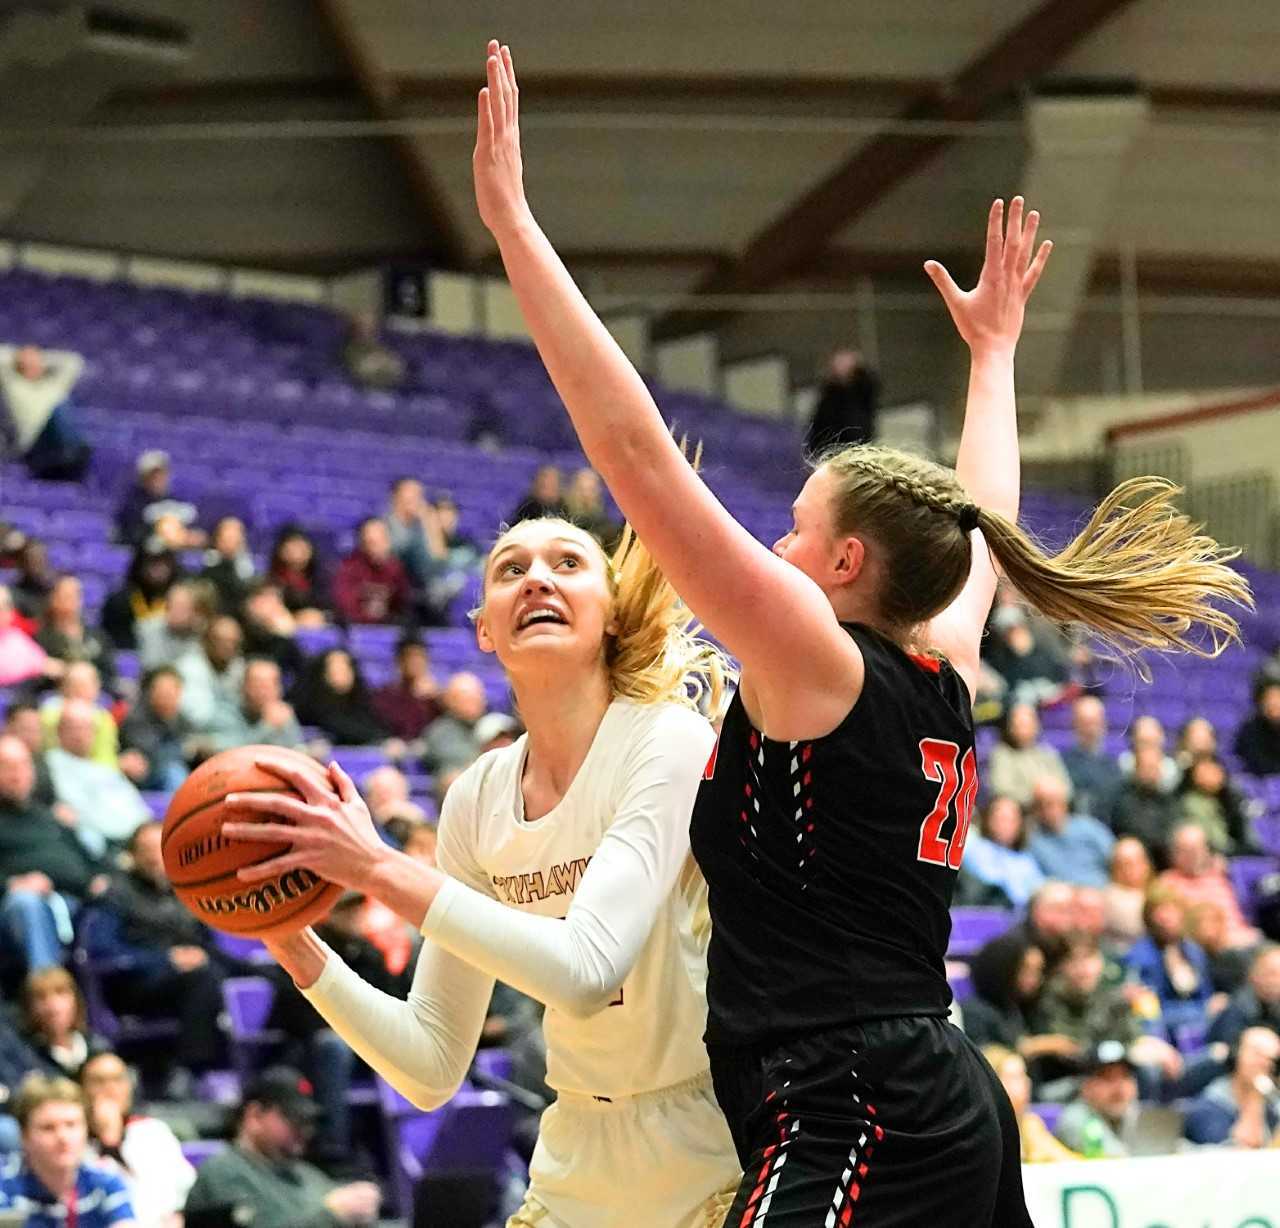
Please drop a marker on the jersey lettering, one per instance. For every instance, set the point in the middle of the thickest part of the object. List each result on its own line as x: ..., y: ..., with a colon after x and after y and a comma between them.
x: 562, y: 879
x: 938, y: 761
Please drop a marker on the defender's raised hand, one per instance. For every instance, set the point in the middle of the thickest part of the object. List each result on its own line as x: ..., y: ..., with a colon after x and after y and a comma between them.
x: 496, y: 164
x: 990, y: 315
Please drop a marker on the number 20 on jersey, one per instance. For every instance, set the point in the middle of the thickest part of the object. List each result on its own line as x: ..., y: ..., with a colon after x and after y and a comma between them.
x: 939, y: 762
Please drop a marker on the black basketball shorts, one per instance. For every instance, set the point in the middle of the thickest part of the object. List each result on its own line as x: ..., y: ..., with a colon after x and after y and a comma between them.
x: 886, y: 1124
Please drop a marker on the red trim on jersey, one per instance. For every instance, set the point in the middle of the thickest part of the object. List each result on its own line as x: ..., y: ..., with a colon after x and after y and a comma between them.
x: 932, y: 664
x: 709, y: 772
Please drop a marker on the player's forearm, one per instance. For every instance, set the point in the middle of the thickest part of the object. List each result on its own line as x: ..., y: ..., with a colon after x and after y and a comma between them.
x: 405, y: 885
x: 987, y: 463
x: 612, y: 411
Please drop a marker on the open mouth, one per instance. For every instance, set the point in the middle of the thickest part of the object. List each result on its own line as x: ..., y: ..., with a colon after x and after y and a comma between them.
x: 536, y: 617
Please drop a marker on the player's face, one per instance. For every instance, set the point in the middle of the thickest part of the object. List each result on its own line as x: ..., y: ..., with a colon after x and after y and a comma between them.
x: 546, y: 590
x: 811, y: 545
x: 56, y: 1135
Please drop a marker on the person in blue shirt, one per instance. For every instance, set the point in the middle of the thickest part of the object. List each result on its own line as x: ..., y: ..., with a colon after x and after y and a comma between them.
x: 1171, y: 965
x: 997, y: 855
x: 1075, y: 848
x: 1095, y: 775
x: 1239, y: 1108
x: 50, y: 1182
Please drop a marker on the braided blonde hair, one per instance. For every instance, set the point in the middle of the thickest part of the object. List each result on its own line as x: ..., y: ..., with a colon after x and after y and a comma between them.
x: 1139, y: 575
x: 656, y: 655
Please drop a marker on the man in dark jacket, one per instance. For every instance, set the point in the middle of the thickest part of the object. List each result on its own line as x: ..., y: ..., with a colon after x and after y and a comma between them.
x: 1258, y: 739
x: 44, y: 869
x: 157, y: 728
x: 150, y: 499
x: 846, y: 410
x: 172, y: 968
x: 16, y: 1062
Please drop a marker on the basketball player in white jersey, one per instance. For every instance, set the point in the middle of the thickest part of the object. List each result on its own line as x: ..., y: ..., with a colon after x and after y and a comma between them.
x: 564, y: 871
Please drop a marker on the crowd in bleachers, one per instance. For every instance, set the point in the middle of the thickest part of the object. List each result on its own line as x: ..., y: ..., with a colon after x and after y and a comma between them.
x: 1122, y: 888
x: 1129, y: 996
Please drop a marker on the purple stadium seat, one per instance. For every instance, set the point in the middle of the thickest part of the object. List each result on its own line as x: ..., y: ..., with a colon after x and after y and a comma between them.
x: 197, y: 1151
x: 247, y: 1000
x: 1049, y: 1114
x: 972, y: 928
x: 1244, y: 873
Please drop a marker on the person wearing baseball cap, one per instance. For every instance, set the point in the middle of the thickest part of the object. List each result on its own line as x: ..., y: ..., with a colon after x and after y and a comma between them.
x: 261, y: 1176
x: 149, y: 502
x: 1094, y: 1124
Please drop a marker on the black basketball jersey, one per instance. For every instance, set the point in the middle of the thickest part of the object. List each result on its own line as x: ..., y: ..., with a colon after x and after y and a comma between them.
x: 831, y: 863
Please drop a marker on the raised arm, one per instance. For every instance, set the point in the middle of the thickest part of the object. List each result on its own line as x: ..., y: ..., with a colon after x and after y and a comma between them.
x: 989, y: 319
x: 735, y: 586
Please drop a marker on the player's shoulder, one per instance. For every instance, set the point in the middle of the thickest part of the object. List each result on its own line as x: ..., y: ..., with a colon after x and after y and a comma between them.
x: 669, y: 727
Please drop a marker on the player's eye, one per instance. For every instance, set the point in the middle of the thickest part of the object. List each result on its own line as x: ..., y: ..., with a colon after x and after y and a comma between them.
x: 569, y: 560
x: 510, y: 569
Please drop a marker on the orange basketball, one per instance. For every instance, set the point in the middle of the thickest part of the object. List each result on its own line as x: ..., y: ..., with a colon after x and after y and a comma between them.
x: 202, y: 866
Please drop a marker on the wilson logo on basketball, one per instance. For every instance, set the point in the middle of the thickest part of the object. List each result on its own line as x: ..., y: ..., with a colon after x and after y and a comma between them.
x: 264, y: 898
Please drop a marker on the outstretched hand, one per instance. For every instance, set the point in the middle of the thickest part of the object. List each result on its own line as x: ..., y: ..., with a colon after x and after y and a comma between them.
x: 990, y: 315
x: 496, y: 164
x: 329, y: 831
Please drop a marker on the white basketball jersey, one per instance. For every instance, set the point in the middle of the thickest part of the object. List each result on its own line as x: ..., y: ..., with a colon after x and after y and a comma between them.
x: 650, y: 1036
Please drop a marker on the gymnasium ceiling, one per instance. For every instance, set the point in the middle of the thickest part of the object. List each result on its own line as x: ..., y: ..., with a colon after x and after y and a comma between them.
x: 725, y: 145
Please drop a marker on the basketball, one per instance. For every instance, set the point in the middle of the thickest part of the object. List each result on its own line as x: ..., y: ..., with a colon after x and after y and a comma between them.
x: 202, y: 866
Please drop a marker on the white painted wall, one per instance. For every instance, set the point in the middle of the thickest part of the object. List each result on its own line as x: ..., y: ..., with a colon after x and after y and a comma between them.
x: 691, y: 364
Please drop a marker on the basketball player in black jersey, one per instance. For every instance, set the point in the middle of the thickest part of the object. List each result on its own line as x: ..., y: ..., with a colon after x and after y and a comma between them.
x: 835, y: 812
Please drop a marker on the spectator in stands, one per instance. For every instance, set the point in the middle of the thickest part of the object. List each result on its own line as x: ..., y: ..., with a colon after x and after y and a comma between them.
x: 369, y: 361
x: 21, y: 658
x: 16, y: 1062
x: 55, y: 1185
x: 1197, y: 875
x: 1171, y: 964
x: 464, y: 554
x: 228, y: 565
x: 543, y: 497
x: 1076, y: 1003
x: 213, y: 679
x: 44, y: 868
x: 1021, y: 758
x: 386, y: 793
x: 1126, y: 893
x: 1074, y: 848
x: 175, y: 633
x: 262, y: 717
x: 23, y: 722
x: 1144, y: 808
x: 1033, y: 672
x: 1258, y: 739
x: 149, y: 500
x: 1257, y: 1005
x: 1095, y: 775
x: 409, y: 704
x: 323, y: 1055
x: 584, y: 506
x: 1038, y: 1144
x: 495, y: 730
x: 34, y: 580
x: 371, y: 585
x: 414, y: 527
x: 36, y: 386
x: 331, y: 695
x: 451, y: 739
x: 152, y: 572
x: 81, y: 683
x: 1207, y: 798
x: 260, y: 1178
x: 55, y: 1022
x: 143, y: 1149
x: 846, y: 408
x: 63, y: 634
x: 106, y: 802
x: 157, y: 729
x: 1240, y: 1108
x: 1197, y: 737
x: 270, y: 630
x: 1008, y: 976
x: 173, y: 968
x: 295, y: 569
x: 996, y: 853
x: 1095, y: 1124
x: 1147, y: 731
x: 1089, y: 914
x: 1228, y: 965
